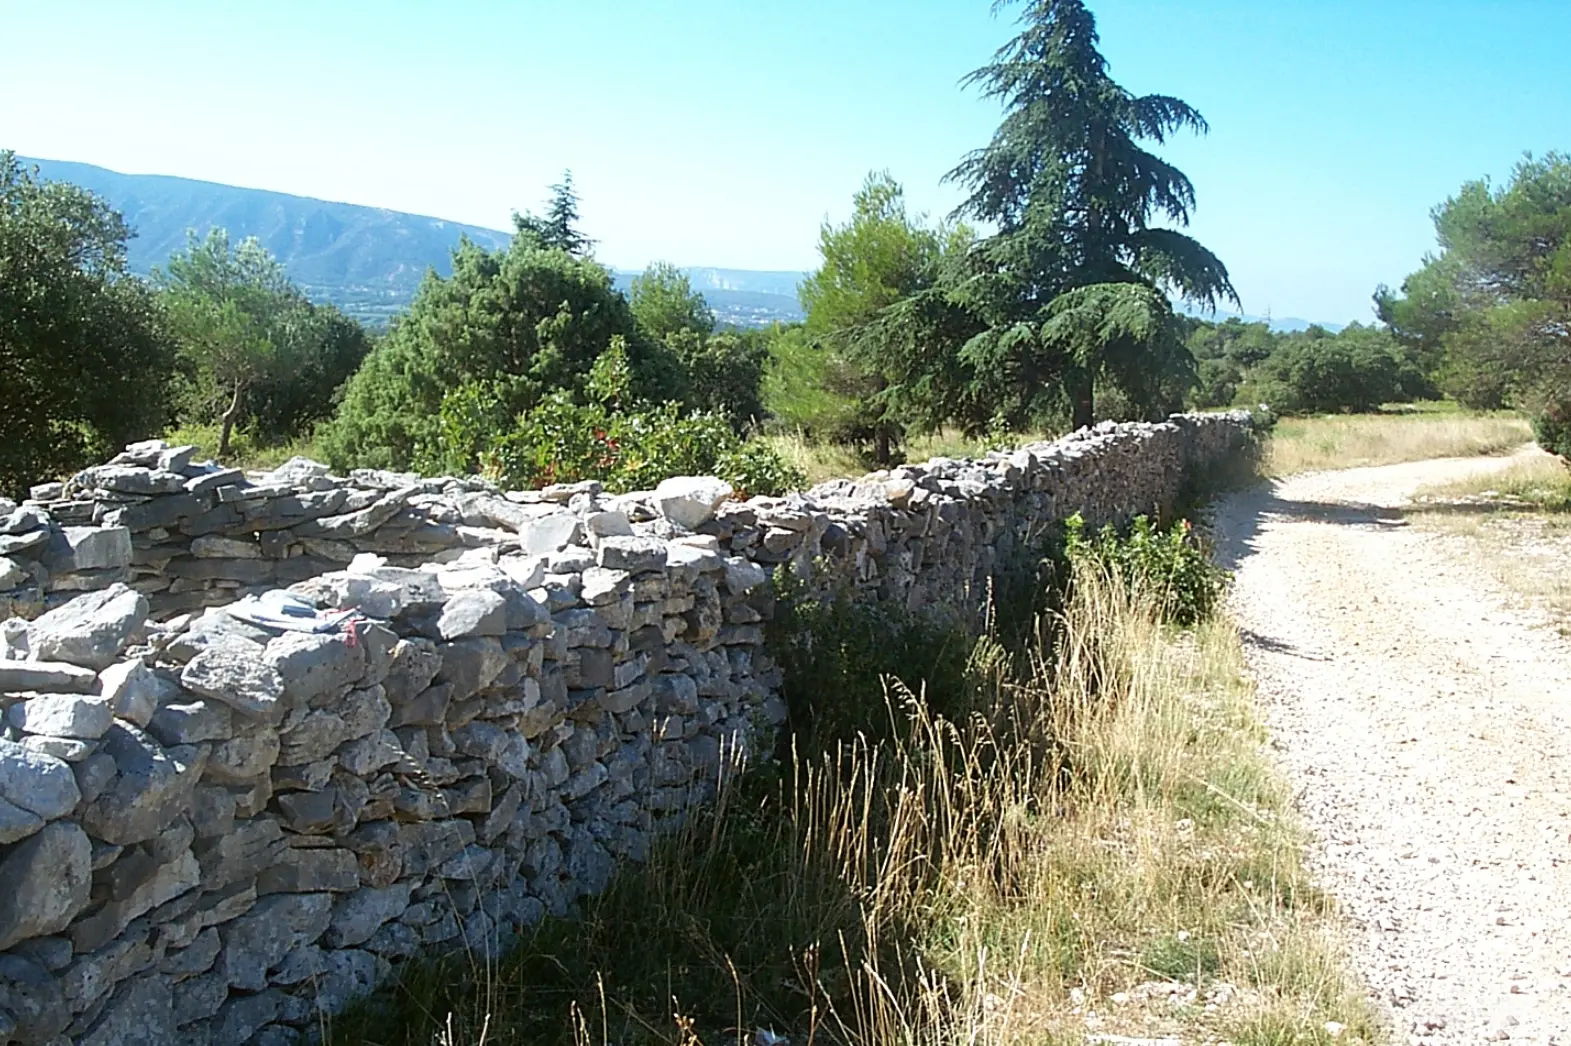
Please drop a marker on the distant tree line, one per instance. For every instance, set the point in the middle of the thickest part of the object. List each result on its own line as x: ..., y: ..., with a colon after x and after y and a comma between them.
x: 1044, y: 302
x: 1490, y: 312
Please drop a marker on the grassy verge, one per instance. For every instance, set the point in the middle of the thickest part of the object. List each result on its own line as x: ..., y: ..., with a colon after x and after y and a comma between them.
x: 245, y: 452
x: 1098, y: 846
x: 1350, y: 441
x: 1517, y: 525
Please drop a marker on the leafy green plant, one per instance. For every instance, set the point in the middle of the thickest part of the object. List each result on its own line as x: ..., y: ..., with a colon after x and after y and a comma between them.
x: 1552, y: 427
x: 1171, y: 564
x: 838, y: 657
x: 608, y: 435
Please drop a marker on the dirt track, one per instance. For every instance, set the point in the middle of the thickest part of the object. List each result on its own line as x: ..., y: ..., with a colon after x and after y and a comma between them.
x: 1426, y: 726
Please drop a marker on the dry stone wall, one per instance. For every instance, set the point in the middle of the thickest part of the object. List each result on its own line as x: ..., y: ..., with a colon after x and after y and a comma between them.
x: 267, y: 737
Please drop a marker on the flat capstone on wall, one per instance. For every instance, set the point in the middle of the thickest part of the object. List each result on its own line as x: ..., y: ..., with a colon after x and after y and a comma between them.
x: 263, y: 737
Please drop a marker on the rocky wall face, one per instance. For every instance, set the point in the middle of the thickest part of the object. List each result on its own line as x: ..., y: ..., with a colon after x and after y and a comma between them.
x: 214, y: 826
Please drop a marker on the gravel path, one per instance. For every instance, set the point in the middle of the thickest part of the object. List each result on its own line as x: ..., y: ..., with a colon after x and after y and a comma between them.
x: 1426, y: 727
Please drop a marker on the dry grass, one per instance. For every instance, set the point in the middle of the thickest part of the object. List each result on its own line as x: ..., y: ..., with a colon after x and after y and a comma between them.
x: 245, y: 452
x: 1517, y: 525
x: 1101, y: 848
x: 1351, y: 441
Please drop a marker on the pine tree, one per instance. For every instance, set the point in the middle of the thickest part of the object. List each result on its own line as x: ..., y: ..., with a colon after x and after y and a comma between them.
x: 1071, y: 286
x: 558, y: 230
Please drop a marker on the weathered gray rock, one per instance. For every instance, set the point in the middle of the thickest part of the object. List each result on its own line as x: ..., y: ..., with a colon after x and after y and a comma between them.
x: 152, y: 787
x: 68, y: 749
x: 239, y: 678
x: 17, y: 823
x: 34, y: 1000
x: 277, y: 925
x: 311, y: 871
x: 471, y: 664
x: 240, y: 854
x: 54, y: 677
x: 47, y: 880
x: 689, y: 501
x: 313, y: 665
x: 135, y: 691
x: 242, y: 758
x: 12, y: 573
x: 197, y: 999
x: 76, y: 549
x: 14, y: 644
x: 40, y: 784
x: 211, y: 546
x: 473, y: 612
x: 194, y: 959
x: 244, y: 1015
x: 139, y: 1014
x: 192, y: 722
x: 415, y: 663
x: 634, y: 554
x: 358, y: 916
x: 549, y: 533
x: 63, y: 715
x: 743, y: 576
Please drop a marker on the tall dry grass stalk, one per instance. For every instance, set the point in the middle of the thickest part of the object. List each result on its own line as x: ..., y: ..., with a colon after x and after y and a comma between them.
x: 1333, y: 442
x: 1100, y: 846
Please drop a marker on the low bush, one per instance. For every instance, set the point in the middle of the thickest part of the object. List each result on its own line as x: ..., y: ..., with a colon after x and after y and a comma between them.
x: 1171, y: 565
x: 608, y: 435
x: 1552, y: 427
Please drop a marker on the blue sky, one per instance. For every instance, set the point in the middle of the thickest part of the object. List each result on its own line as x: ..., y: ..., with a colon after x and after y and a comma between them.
x: 722, y: 132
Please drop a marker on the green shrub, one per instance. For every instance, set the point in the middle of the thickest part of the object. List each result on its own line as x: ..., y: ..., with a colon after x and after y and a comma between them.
x: 1325, y: 375
x: 1552, y: 426
x: 837, y: 656
x: 608, y: 436
x: 1171, y: 564
x: 521, y: 324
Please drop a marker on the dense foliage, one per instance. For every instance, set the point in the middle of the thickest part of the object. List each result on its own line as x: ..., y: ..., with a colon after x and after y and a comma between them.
x: 1066, y: 297
x: 1171, y: 565
x: 720, y: 372
x: 1070, y: 287
x: 83, y: 352
x: 1301, y: 372
x: 1493, y: 307
x: 607, y: 434
x: 253, y: 350
x: 523, y: 324
x: 876, y: 260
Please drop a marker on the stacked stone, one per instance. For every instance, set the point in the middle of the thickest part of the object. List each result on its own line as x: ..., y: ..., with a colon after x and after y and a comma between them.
x: 204, y: 535
x: 213, y: 830
x: 43, y: 563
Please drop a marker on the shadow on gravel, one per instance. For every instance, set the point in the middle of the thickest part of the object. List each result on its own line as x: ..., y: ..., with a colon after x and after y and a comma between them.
x: 1251, y: 638
x: 1239, y: 517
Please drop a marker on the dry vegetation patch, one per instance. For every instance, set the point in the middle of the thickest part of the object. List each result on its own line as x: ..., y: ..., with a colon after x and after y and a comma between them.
x: 1100, y: 848
x: 1517, y: 524
x: 1355, y: 440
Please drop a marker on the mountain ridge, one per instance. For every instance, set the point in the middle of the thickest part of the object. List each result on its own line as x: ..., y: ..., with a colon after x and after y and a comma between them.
x: 369, y: 261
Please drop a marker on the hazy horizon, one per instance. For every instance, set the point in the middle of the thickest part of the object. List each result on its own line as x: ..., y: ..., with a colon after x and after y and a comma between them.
x: 716, y: 136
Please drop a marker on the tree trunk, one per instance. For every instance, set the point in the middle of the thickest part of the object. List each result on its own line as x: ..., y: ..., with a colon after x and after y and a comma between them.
x: 881, y: 428
x: 1085, y: 402
x: 229, y: 419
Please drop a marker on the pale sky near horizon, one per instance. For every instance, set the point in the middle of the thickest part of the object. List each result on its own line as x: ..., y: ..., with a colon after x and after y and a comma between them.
x: 719, y: 132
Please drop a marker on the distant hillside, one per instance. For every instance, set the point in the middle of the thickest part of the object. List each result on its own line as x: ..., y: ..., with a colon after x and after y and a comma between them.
x: 1281, y: 324
x: 367, y: 260
x: 741, y: 297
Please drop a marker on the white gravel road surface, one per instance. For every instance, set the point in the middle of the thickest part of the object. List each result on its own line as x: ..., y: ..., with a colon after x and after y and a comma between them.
x: 1426, y: 726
